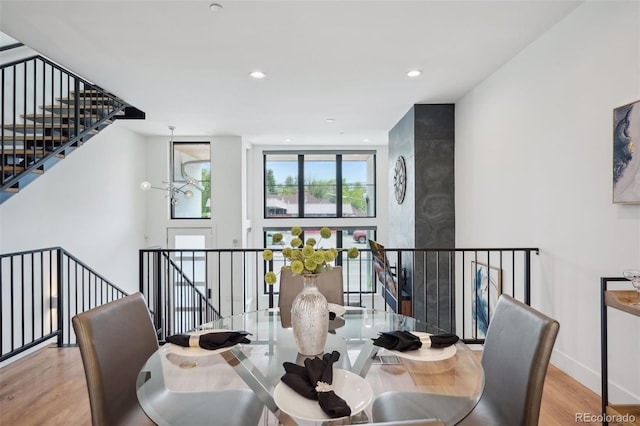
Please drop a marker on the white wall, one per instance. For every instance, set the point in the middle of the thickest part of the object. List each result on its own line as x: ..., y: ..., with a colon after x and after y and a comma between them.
x: 89, y: 204
x: 534, y: 168
x: 226, y: 191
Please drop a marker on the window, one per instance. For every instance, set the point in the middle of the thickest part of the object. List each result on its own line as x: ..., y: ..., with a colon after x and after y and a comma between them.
x: 191, y: 162
x: 306, y: 185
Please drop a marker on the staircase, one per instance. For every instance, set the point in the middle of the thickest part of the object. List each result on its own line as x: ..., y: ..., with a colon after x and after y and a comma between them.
x: 52, y: 113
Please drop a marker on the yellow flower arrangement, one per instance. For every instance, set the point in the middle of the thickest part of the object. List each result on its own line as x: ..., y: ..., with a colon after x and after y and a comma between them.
x: 306, y: 260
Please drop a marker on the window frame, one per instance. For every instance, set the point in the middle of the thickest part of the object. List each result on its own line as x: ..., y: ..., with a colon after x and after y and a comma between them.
x: 301, y: 183
x: 180, y: 182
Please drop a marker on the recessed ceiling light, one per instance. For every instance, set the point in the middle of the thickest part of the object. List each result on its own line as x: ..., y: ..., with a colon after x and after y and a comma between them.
x: 257, y: 74
x: 414, y: 73
x: 215, y: 7
x: 366, y: 140
x: 287, y: 140
x: 330, y: 120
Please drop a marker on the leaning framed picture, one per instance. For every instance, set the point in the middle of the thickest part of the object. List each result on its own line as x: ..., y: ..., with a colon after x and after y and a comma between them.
x: 626, y: 154
x: 486, y: 287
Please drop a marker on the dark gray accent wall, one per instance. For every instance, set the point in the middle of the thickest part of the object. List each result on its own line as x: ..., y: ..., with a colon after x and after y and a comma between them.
x: 426, y: 219
x: 402, y: 216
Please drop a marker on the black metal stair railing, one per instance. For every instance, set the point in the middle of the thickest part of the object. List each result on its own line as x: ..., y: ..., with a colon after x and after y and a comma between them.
x: 46, y: 112
x: 40, y: 291
x: 191, y: 306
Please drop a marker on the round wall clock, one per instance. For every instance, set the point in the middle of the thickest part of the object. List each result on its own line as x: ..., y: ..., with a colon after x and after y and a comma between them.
x: 400, y: 179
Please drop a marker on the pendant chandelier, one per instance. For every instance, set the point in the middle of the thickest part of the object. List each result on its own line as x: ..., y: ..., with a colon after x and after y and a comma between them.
x: 173, y: 189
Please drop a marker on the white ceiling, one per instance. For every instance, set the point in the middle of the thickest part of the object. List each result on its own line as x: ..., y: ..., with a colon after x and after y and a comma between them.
x: 346, y: 60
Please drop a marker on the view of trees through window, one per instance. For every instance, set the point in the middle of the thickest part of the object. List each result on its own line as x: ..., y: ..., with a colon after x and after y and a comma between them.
x: 315, y: 176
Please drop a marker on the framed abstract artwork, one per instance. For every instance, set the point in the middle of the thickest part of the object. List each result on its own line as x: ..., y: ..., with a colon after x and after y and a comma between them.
x: 626, y: 154
x: 486, y: 287
x: 385, y: 276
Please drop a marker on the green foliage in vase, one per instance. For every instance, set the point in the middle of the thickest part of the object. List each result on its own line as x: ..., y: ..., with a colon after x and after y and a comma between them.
x: 306, y: 257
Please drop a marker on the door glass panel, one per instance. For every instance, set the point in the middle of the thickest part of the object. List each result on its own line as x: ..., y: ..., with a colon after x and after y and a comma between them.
x: 189, y: 272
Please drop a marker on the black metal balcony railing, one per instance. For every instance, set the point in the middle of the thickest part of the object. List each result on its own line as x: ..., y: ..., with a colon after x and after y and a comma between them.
x: 454, y: 289
x: 41, y: 290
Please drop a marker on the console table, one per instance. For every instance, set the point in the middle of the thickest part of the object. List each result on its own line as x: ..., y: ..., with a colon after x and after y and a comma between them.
x: 622, y: 300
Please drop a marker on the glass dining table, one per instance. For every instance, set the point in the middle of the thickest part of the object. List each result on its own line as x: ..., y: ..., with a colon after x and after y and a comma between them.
x: 174, y: 376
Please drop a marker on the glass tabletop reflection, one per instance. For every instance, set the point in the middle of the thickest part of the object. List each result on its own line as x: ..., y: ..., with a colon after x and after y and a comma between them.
x: 171, y: 377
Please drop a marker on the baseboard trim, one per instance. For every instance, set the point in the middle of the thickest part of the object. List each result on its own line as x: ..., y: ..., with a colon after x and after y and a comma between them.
x: 590, y: 378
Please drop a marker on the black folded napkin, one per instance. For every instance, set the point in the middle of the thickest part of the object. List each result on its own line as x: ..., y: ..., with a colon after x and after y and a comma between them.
x: 313, y: 381
x: 443, y: 340
x: 211, y: 341
x: 399, y: 340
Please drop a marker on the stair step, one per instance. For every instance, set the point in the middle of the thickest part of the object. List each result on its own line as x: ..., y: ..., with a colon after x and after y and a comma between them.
x: 84, y: 95
x: 92, y: 94
x: 61, y: 116
x: 43, y: 127
x: 29, y: 151
x: 65, y: 118
x: 25, y: 156
x: 103, y: 100
x: 11, y: 169
x: 16, y: 138
x: 89, y: 107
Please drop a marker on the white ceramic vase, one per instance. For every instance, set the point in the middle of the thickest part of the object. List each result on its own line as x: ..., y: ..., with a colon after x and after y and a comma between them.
x: 310, y: 318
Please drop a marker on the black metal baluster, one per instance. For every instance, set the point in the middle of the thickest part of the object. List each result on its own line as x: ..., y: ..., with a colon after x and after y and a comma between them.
x: 25, y: 157
x: 474, y: 284
x: 62, y: 108
x: 220, y: 284
x: 451, y: 280
x: 53, y: 95
x: 76, y: 108
x: 34, y: 108
x: 231, y: 281
x: 23, y: 307
x: 33, y: 297
x: 68, y: 126
x: 15, y: 114
x: 50, y: 263
x: 44, y: 91
x: 2, y: 302
x: 61, y: 294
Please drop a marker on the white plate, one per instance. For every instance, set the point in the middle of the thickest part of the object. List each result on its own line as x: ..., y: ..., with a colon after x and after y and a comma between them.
x: 191, y: 351
x: 425, y: 353
x: 339, y: 310
x: 347, y: 385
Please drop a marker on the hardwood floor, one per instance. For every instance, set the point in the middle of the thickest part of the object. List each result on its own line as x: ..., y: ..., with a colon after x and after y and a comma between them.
x: 49, y: 388
x: 45, y: 388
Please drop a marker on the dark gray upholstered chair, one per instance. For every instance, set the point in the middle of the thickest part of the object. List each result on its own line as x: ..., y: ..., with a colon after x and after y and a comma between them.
x: 115, y: 340
x: 515, y: 358
x: 330, y: 285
